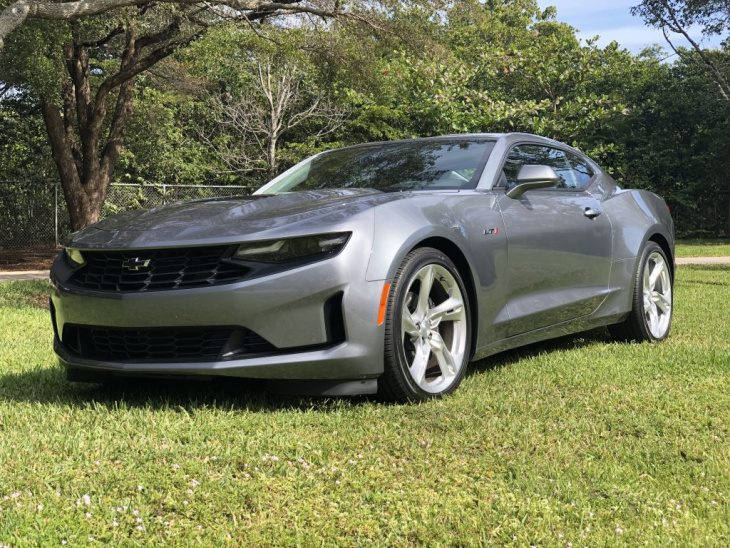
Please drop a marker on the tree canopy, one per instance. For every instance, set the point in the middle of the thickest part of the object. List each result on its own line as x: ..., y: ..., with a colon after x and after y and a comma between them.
x: 233, y: 92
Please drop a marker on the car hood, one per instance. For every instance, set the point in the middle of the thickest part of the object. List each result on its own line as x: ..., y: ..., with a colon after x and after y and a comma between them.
x: 222, y: 220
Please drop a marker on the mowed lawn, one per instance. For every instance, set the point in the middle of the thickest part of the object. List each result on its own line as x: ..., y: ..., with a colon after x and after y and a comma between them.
x: 577, y: 442
x: 703, y: 248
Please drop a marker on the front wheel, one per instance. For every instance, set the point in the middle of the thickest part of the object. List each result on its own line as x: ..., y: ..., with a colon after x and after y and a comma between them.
x: 427, y: 329
x: 651, y: 315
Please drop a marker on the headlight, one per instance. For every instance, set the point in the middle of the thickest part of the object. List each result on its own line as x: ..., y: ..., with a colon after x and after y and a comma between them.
x: 75, y: 257
x: 291, y: 249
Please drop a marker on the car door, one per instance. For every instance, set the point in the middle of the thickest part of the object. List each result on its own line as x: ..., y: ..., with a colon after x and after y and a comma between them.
x: 558, y: 242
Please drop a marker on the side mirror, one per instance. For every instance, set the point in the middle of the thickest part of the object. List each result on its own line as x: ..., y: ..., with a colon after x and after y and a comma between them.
x: 532, y: 178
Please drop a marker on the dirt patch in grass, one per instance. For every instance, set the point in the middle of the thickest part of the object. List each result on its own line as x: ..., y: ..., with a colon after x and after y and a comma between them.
x: 25, y: 294
x: 37, y: 301
x: 32, y: 258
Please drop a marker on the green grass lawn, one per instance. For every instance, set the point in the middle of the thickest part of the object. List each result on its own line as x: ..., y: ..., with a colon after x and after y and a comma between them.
x: 577, y: 442
x: 703, y: 248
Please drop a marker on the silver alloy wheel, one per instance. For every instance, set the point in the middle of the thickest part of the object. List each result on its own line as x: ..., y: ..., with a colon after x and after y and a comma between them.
x: 434, y: 329
x: 657, y: 295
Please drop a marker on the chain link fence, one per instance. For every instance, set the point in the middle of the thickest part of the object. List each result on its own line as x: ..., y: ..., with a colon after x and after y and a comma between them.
x: 35, y: 215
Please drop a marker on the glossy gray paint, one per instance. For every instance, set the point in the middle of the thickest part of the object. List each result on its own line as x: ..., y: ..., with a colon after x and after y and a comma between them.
x: 538, y: 267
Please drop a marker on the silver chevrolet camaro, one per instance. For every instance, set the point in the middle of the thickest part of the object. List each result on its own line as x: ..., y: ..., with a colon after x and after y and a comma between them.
x: 379, y: 268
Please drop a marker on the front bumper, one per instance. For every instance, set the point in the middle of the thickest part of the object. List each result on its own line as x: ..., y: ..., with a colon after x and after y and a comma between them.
x: 288, y: 309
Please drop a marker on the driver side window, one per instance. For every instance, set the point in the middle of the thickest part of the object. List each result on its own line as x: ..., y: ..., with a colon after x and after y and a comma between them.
x: 524, y: 155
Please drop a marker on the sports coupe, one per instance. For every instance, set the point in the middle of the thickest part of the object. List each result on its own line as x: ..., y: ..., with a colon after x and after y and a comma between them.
x: 379, y: 268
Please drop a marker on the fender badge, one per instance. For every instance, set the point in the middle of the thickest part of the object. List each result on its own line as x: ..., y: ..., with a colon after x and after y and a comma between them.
x: 491, y: 231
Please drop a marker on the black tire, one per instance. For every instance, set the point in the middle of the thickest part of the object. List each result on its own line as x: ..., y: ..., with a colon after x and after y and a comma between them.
x: 397, y: 383
x: 637, y: 326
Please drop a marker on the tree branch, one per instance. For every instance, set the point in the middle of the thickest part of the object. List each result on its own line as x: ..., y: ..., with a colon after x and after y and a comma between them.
x: 710, y: 66
x: 662, y: 14
x: 161, y: 36
x: 103, y: 41
x: 16, y: 13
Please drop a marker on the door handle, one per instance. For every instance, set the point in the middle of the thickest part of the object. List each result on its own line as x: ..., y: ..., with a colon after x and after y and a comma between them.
x: 591, y: 213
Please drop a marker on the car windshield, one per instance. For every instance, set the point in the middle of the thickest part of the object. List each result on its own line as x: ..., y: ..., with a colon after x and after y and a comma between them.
x: 451, y: 164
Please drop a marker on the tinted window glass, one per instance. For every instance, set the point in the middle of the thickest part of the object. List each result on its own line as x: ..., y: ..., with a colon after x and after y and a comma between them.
x: 392, y: 167
x: 536, y: 155
x: 583, y: 172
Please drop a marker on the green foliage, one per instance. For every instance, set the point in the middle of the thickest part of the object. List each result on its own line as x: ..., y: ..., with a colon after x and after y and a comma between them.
x: 675, y: 143
x: 468, y: 66
x: 163, y: 144
x: 32, y: 60
x: 24, y: 151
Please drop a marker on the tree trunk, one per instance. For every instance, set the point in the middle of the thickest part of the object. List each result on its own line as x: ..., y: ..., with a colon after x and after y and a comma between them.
x: 84, y: 207
x: 84, y: 189
x: 85, y: 140
x: 271, y: 157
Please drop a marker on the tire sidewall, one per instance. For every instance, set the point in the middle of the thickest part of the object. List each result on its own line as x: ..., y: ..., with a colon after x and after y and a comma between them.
x: 414, y: 262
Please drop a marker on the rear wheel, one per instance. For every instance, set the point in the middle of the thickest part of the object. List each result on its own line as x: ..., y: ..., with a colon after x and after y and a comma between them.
x: 427, y: 329
x: 651, y: 315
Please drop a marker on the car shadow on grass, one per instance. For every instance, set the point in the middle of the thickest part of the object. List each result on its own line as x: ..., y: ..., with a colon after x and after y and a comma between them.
x: 511, y: 357
x: 49, y: 386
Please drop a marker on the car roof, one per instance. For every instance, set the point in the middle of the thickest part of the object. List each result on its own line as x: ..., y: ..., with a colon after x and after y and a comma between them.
x: 509, y: 138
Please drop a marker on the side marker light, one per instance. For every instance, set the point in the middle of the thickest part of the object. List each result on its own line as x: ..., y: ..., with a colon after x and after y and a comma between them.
x: 383, y: 303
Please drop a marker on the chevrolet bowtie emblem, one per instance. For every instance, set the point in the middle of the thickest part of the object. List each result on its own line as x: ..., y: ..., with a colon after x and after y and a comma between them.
x: 135, y: 264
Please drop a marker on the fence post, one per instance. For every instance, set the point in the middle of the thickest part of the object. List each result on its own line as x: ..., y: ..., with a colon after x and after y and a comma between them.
x: 55, y: 203
x: 164, y: 193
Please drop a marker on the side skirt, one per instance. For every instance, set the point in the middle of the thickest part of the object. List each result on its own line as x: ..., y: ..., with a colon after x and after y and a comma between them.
x: 551, y: 332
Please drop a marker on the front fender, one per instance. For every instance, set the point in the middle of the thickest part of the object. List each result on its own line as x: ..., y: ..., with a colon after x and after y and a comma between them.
x: 400, y: 227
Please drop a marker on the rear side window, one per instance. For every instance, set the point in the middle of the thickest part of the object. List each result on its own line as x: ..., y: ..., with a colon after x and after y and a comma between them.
x: 572, y: 171
x: 581, y: 169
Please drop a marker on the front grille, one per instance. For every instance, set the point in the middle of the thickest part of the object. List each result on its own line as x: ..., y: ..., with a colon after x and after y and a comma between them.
x: 163, y: 344
x: 176, y: 268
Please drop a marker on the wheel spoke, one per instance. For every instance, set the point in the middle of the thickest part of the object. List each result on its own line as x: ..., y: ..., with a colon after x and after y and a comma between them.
x: 647, y: 300
x: 426, y: 278
x: 443, y: 356
x: 408, y: 324
x: 420, y: 362
x: 664, y: 303
x: 654, y: 320
x: 656, y: 272
x: 448, y: 310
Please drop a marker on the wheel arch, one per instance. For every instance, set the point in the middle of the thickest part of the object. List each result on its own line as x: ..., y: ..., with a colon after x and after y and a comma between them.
x: 662, y: 242
x: 454, y: 252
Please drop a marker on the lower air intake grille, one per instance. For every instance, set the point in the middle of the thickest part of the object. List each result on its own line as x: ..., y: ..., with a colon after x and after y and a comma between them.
x: 163, y: 344
x: 157, y: 269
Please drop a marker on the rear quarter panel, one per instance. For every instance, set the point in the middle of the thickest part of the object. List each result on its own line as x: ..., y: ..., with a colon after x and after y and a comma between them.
x: 637, y: 216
